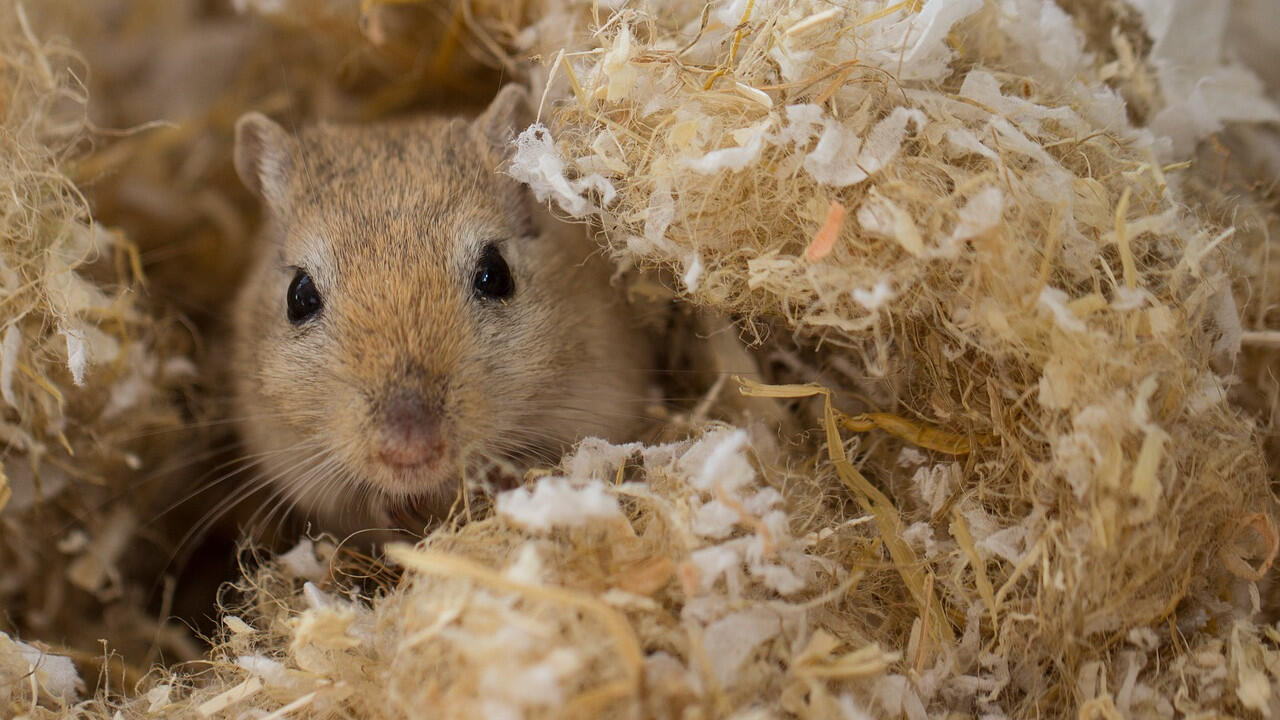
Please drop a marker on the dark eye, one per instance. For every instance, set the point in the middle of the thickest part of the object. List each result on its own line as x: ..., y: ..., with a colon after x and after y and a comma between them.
x: 303, y: 298
x: 493, y: 277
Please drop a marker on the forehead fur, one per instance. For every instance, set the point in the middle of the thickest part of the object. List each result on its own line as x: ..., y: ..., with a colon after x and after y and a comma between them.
x: 399, y: 180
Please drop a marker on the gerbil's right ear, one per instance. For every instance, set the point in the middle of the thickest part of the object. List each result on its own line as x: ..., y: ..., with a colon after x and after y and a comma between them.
x: 264, y: 157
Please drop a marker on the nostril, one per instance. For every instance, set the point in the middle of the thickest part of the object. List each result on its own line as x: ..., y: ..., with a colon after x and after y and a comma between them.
x: 406, y: 413
x: 409, y: 432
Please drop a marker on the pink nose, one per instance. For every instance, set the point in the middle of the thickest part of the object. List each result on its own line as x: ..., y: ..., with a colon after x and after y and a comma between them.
x: 409, y: 435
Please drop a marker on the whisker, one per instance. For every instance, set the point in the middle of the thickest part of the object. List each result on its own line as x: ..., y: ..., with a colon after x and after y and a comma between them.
x: 246, y: 462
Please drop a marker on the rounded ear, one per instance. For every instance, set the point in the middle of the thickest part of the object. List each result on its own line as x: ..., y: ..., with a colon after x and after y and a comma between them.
x: 508, y: 114
x: 264, y: 157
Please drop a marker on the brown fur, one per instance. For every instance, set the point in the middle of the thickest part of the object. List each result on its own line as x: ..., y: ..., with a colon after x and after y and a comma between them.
x: 389, y: 220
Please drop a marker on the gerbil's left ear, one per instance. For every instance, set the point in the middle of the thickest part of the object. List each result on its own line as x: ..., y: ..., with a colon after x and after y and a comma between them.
x: 506, y: 116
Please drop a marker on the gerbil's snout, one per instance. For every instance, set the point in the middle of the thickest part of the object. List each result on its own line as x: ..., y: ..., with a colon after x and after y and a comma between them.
x: 408, y: 433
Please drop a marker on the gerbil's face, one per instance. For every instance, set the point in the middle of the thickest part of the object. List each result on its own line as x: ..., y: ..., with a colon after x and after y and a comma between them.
x: 407, y: 316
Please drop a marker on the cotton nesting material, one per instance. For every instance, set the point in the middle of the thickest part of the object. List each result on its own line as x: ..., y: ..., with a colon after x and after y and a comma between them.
x: 51, y: 317
x: 558, y: 606
x: 47, y: 240
x: 967, y: 210
x: 29, y: 674
x: 80, y: 377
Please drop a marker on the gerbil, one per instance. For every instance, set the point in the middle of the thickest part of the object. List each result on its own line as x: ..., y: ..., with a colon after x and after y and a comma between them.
x: 411, y: 309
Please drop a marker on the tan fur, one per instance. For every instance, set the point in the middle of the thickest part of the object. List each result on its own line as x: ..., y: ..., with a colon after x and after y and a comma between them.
x: 389, y: 220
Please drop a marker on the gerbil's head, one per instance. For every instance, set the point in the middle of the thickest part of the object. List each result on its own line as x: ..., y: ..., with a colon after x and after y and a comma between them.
x: 411, y: 310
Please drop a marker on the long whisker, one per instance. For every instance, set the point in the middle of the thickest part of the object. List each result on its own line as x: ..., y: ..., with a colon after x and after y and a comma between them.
x: 238, y: 496
x: 220, y: 421
x: 246, y: 462
x: 287, y: 494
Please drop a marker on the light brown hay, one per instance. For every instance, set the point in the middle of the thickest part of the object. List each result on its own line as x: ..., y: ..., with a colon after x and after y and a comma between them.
x: 79, y: 376
x: 1107, y: 438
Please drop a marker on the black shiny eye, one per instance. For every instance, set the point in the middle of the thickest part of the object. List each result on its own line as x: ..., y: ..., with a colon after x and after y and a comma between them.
x: 303, y: 298
x: 493, y: 278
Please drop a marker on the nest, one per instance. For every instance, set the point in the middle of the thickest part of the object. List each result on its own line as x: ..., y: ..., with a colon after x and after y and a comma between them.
x: 1004, y: 437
